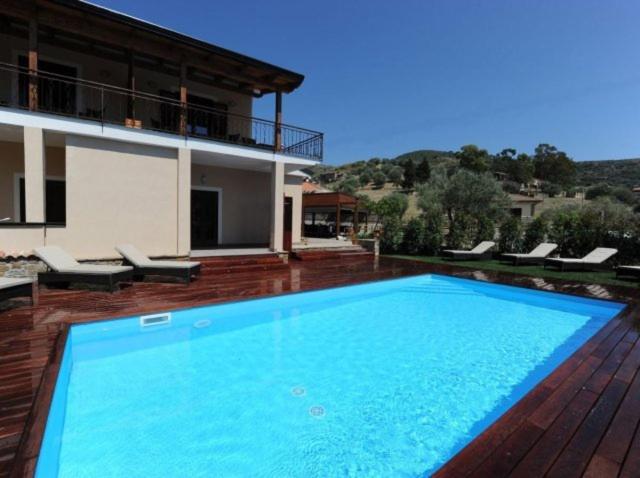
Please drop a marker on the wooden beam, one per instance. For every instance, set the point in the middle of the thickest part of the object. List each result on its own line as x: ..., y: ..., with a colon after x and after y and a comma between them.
x: 183, y: 99
x: 131, y: 85
x: 65, y: 19
x: 33, y: 64
x: 338, y: 220
x: 277, y: 142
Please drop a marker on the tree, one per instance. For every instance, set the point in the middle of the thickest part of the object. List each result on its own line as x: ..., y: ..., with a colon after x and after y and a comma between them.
x: 473, y: 203
x: 392, y: 205
x: 366, y: 177
x: 553, y: 166
x: 535, y: 233
x: 409, y: 176
x: 423, y: 172
x: 395, y: 175
x: 510, y: 235
x: 520, y: 169
x: 348, y: 185
x: 473, y: 158
x: 551, y: 189
x: 414, y: 236
x: 501, y: 161
x: 597, y: 190
x: 379, y: 179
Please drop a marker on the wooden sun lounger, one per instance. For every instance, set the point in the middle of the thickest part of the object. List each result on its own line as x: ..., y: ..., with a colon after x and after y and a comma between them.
x: 11, y: 288
x: 481, y: 251
x: 535, y: 257
x: 144, y: 266
x: 65, y: 270
x: 595, y: 260
x: 628, y: 271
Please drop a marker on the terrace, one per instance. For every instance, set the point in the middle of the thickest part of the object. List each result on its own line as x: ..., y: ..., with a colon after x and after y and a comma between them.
x: 582, y: 419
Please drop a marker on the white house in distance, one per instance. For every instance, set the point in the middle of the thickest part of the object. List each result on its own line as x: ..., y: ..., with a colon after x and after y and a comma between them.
x: 116, y: 130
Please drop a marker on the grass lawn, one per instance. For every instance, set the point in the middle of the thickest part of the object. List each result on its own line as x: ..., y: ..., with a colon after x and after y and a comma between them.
x: 607, y: 278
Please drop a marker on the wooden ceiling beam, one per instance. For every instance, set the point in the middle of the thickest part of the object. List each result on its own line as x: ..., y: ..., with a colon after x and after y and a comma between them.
x: 90, y: 27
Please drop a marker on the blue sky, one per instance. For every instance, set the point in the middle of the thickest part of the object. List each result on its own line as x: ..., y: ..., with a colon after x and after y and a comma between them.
x: 386, y: 77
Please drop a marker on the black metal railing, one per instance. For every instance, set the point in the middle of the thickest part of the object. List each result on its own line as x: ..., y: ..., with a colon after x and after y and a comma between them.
x: 107, y: 104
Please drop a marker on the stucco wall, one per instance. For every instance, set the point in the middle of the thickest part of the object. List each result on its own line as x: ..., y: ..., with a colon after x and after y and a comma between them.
x: 119, y: 193
x: 245, y: 202
x: 12, y: 163
x: 293, y: 189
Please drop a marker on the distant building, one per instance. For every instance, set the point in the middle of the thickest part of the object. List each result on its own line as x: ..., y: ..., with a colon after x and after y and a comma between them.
x: 524, y: 207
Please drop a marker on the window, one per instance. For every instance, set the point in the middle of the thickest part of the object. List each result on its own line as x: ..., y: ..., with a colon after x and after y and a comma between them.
x: 55, y: 201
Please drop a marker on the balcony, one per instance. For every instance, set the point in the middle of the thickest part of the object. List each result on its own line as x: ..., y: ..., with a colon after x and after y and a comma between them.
x: 107, y: 104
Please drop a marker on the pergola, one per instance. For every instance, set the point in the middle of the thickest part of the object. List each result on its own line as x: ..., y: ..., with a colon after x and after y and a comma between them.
x: 313, y: 203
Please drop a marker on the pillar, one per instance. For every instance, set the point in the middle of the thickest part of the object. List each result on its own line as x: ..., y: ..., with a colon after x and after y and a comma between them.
x: 184, y: 202
x: 277, y: 207
x: 34, y: 174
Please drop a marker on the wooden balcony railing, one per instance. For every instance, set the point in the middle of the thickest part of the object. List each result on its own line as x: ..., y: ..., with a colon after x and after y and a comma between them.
x: 107, y: 104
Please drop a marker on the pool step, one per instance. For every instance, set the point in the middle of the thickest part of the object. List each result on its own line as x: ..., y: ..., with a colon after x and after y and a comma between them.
x: 351, y: 253
x: 226, y: 265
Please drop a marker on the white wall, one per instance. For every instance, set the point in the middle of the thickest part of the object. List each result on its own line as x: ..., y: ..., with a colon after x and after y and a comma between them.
x: 119, y: 193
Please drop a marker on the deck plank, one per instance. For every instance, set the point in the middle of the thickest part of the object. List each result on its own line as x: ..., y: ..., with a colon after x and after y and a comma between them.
x: 559, y: 421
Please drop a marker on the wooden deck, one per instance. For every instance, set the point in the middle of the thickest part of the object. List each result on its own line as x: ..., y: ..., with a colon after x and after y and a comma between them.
x: 581, y: 420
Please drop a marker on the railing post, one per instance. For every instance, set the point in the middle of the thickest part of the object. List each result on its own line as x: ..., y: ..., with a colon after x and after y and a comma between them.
x: 277, y: 141
x: 33, y: 64
x: 102, y: 106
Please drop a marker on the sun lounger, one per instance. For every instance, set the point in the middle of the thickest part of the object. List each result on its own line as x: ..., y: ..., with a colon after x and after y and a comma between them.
x: 633, y: 271
x: 64, y: 269
x: 16, y: 287
x: 481, y: 251
x: 536, y: 256
x: 144, y: 266
x: 594, y: 260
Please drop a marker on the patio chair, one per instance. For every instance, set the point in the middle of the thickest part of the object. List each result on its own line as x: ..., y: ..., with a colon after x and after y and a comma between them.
x: 16, y: 287
x: 143, y: 266
x: 628, y: 271
x: 64, y: 270
x: 481, y: 251
x: 536, y: 256
x: 594, y: 260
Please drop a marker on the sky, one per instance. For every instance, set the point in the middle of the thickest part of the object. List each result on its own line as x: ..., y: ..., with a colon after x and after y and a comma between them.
x: 384, y: 77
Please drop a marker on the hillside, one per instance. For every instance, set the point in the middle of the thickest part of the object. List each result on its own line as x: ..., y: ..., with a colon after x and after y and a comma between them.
x: 616, y: 172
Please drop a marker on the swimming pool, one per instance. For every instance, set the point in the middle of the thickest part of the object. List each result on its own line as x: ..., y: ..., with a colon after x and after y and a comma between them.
x: 382, y: 379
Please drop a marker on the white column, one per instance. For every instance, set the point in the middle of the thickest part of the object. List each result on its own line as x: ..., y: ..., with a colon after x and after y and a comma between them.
x: 184, y: 201
x: 277, y: 207
x: 34, y: 174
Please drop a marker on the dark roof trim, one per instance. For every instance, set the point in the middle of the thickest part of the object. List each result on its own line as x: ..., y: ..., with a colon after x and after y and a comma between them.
x: 106, y: 13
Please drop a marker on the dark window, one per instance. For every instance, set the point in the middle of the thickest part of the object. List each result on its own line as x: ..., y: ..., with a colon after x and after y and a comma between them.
x: 55, y: 201
x: 55, y: 95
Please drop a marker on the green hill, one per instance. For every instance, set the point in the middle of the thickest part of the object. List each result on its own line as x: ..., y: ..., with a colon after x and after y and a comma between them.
x: 616, y: 172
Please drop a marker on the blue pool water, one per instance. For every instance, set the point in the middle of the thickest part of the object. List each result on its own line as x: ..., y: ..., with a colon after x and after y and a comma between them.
x: 378, y: 380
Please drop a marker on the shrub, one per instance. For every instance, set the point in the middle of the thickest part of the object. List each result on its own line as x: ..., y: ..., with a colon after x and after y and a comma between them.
x: 379, y: 179
x: 365, y: 177
x: 433, y: 234
x: 510, y: 235
x: 598, y: 190
x: 414, y: 236
x: 348, y: 185
x: 391, y: 237
x: 535, y: 233
x: 551, y: 189
x: 511, y: 187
